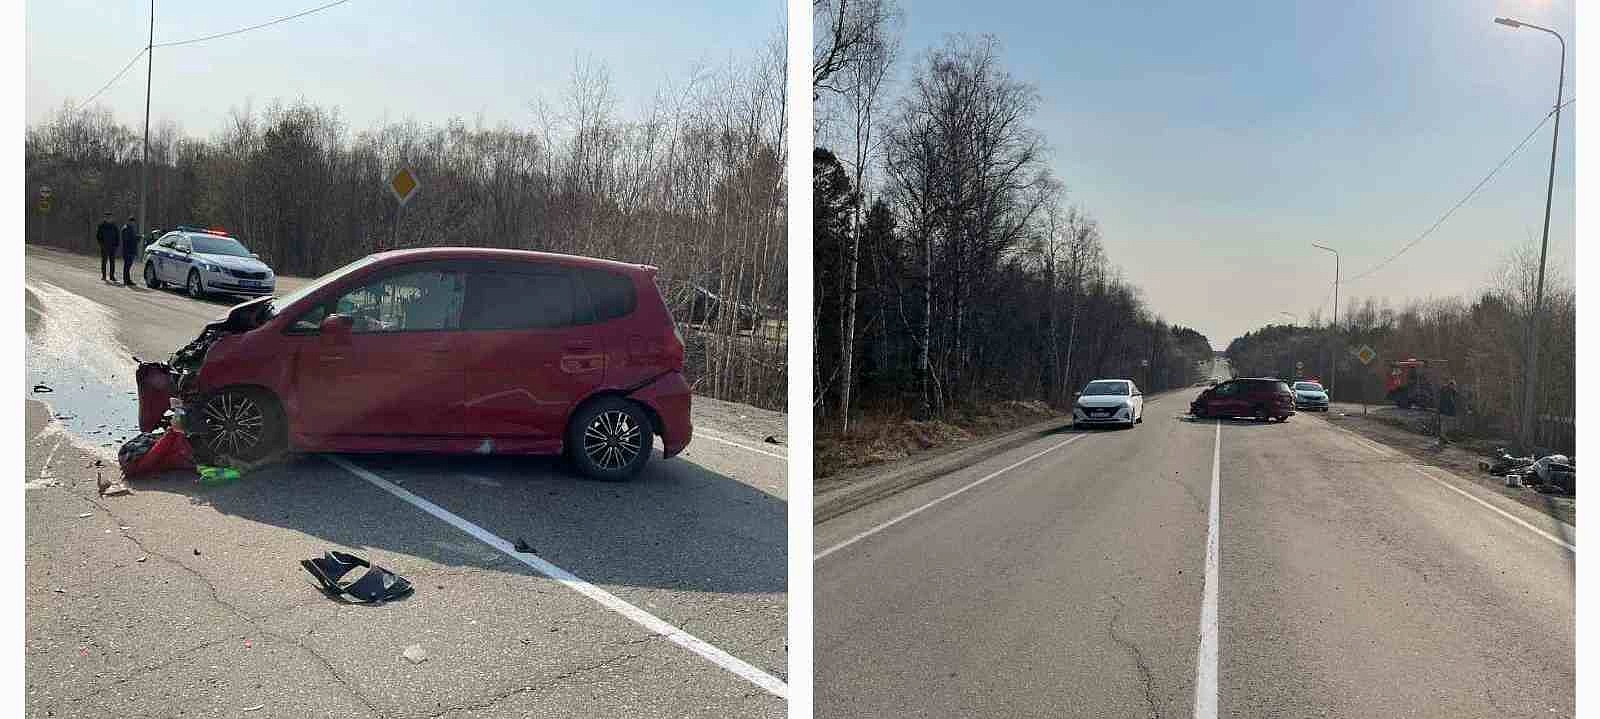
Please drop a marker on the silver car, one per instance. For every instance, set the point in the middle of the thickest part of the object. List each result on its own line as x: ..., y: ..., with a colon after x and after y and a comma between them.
x: 205, y: 262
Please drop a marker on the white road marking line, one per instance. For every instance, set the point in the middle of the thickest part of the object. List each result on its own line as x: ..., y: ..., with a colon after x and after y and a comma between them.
x: 745, y: 447
x: 41, y: 482
x: 1205, y: 673
x: 34, y: 310
x: 1570, y: 547
x: 1570, y: 530
x: 743, y: 669
x: 914, y: 512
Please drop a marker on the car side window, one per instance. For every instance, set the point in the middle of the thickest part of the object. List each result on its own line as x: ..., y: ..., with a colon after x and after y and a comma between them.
x: 411, y: 301
x: 610, y: 294
x: 310, y: 321
x: 508, y: 297
x: 1227, y: 389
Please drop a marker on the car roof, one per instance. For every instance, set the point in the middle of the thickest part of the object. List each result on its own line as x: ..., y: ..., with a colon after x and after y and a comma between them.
x: 1117, y: 379
x: 495, y: 253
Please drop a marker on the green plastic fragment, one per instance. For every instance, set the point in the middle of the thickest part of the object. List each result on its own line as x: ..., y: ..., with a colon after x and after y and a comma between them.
x: 216, y: 475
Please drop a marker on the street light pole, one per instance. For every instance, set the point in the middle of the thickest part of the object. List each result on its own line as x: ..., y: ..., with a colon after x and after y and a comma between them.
x: 1530, y: 392
x: 144, y: 161
x: 1333, y: 353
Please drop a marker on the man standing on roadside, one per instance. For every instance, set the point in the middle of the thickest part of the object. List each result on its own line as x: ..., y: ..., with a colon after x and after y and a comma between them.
x: 106, y: 235
x: 1447, y: 409
x: 130, y: 250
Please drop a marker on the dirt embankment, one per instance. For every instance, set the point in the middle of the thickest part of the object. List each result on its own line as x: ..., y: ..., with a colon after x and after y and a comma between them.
x: 878, y: 439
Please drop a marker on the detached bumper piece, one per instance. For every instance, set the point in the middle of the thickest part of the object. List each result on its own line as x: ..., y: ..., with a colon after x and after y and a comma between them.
x: 376, y: 586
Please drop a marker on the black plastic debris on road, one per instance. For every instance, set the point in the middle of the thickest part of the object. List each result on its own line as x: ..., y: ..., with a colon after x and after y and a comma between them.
x: 376, y: 586
x: 42, y: 388
x: 523, y: 546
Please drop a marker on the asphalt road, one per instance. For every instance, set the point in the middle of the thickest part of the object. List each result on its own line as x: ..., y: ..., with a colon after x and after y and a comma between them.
x: 1068, y: 577
x: 187, y: 600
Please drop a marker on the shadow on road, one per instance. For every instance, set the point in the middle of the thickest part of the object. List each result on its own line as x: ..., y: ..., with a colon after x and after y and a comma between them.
x: 678, y: 526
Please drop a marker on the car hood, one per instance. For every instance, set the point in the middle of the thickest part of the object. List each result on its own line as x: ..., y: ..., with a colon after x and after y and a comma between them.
x: 234, y: 262
x: 1104, y: 400
x: 1310, y: 394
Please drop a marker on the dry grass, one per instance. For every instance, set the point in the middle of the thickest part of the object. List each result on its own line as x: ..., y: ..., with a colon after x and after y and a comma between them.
x: 881, y: 438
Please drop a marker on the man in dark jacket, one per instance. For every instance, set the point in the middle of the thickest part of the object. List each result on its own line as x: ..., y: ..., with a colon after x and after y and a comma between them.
x: 106, y: 235
x: 130, y: 250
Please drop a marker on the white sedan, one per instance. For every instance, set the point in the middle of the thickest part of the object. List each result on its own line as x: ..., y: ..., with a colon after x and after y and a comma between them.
x: 1109, y: 401
x: 206, y: 261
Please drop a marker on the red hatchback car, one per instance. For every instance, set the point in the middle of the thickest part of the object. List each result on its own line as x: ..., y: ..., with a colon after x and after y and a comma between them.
x: 1258, y: 398
x: 440, y: 350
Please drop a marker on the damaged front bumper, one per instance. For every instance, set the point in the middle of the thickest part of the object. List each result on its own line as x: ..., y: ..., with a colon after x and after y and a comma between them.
x: 168, y: 389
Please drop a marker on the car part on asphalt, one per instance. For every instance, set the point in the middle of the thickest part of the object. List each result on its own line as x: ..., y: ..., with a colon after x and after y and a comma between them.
x: 376, y: 586
x: 212, y: 476
x: 39, y: 388
x: 155, y: 452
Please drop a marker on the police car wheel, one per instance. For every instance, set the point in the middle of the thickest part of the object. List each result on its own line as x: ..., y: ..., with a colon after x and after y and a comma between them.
x: 150, y: 277
x: 196, y: 290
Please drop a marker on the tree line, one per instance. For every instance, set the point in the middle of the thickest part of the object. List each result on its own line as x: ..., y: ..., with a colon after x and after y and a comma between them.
x: 695, y: 187
x: 950, y: 269
x: 1482, y: 338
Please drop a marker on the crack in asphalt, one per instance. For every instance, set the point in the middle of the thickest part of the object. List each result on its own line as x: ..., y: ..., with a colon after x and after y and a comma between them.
x: 550, y: 683
x: 1199, y: 504
x: 254, y: 622
x: 1138, y: 660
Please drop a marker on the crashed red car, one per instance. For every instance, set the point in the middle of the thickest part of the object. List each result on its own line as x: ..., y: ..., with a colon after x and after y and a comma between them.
x: 438, y: 350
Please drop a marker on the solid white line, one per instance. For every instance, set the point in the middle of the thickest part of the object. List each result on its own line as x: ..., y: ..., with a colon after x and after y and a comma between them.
x: 908, y: 515
x: 743, y: 669
x: 1570, y: 547
x: 744, y: 447
x: 34, y: 310
x: 1205, y: 673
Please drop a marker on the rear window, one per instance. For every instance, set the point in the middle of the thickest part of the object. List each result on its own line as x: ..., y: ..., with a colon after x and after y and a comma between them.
x: 610, y: 293
x: 515, y: 299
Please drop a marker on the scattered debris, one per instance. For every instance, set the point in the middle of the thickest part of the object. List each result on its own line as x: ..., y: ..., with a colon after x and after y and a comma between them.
x: 155, y: 452
x: 415, y: 654
x: 257, y: 707
x: 247, y: 644
x: 197, y: 551
x: 41, y: 388
x: 376, y: 586
x: 771, y: 439
x: 523, y: 546
x: 141, y: 559
x: 212, y: 476
x: 86, y: 515
x: 61, y: 591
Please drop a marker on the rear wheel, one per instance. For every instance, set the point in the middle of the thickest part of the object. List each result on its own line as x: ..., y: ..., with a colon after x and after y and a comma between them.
x: 150, y: 277
x: 239, y: 423
x: 609, y: 439
x: 196, y: 288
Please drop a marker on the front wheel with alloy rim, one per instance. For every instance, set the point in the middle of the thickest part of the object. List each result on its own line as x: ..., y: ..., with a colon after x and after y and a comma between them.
x: 150, y: 277
x: 610, y: 439
x: 196, y: 289
x: 238, y: 423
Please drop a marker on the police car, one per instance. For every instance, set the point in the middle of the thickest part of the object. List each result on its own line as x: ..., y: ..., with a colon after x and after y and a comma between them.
x: 206, y: 261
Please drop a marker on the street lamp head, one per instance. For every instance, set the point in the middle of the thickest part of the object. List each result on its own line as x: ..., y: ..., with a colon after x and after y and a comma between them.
x: 1508, y: 22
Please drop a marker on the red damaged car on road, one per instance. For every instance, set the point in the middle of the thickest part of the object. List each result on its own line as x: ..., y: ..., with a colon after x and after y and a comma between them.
x: 439, y: 350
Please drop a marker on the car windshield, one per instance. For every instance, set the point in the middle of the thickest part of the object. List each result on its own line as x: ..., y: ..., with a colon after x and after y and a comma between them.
x: 1105, y: 388
x: 279, y: 303
x: 218, y: 246
x: 1308, y: 386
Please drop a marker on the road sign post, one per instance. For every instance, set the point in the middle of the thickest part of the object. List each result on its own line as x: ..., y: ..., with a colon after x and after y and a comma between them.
x: 403, y: 185
x: 1366, y: 354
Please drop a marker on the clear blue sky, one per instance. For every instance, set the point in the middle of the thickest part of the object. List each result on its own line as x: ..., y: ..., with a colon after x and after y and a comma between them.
x: 1216, y: 142
x: 428, y: 60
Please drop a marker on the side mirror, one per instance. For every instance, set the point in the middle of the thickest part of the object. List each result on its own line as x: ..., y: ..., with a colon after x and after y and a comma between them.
x: 184, y: 250
x: 336, y: 329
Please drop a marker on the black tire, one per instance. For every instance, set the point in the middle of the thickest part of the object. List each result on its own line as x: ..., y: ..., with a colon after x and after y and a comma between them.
x: 150, y: 277
x: 609, y: 439
x: 240, y: 423
x: 195, y: 286
x: 1260, y: 413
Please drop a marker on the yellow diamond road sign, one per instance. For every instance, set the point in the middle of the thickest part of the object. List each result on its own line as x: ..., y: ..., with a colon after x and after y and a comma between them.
x: 1366, y: 354
x: 404, y: 184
